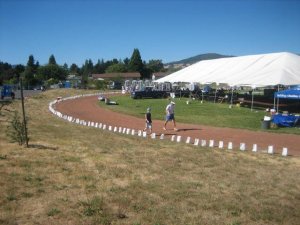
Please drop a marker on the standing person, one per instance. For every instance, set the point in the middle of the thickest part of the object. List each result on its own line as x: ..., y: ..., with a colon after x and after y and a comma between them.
x: 170, y: 115
x: 148, y: 120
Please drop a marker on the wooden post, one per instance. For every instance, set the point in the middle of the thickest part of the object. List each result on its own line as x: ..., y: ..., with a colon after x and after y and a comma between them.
x: 23, y: 111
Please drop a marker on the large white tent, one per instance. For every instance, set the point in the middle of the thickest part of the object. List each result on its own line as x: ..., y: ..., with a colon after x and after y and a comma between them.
x: 252, y: 70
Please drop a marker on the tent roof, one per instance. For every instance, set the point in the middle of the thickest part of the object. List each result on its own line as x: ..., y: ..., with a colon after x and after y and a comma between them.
x: 252, y: 70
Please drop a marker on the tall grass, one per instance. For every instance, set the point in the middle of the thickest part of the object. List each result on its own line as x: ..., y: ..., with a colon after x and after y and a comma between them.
x: 81, y: 175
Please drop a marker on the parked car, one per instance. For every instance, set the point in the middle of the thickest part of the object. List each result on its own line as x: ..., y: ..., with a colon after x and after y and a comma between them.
x: 149, y: 92
x: 116, y: 85
x: 7, y: 91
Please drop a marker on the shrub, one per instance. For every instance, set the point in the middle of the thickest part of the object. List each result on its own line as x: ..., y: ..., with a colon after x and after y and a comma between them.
x: 16, y: 130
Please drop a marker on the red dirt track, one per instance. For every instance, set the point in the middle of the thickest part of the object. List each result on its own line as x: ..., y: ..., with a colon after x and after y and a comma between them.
x: 87, y: 108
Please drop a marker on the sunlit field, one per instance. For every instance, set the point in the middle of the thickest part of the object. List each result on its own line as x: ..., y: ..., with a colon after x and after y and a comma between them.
x: 72, y: 174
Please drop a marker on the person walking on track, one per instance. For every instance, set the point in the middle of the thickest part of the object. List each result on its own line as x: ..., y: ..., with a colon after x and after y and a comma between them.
x: 170, y: 115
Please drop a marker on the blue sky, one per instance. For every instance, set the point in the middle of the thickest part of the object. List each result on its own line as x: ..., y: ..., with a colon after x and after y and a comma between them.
x: 170, y: 30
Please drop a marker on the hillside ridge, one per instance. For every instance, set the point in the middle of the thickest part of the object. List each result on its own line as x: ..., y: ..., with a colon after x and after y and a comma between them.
x: 197, y: 58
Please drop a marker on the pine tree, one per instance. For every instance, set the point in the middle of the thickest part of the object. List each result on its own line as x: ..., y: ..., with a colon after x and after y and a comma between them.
x: 136, y: 63
x: 52, y: 60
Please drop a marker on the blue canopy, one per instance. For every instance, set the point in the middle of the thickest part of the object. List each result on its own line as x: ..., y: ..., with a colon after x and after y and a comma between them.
x: 288, y: 94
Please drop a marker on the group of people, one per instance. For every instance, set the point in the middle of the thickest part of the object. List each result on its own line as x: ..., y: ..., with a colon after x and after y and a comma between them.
x: 148, y: 117
x: 170, y: 116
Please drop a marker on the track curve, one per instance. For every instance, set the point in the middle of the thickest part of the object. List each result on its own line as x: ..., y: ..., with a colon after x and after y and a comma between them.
x: 87, y: 108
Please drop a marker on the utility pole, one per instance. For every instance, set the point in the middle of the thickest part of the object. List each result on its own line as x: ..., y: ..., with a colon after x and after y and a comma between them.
x: 23, y: 110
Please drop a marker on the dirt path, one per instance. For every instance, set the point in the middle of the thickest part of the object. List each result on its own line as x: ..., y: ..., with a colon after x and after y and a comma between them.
x: 87, y: 108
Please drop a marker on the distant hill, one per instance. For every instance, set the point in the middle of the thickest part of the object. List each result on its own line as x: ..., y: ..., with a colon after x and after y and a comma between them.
x: 197, y: 58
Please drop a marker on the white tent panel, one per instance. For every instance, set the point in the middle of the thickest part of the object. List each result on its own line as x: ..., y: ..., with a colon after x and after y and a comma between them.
x: 255, y: 70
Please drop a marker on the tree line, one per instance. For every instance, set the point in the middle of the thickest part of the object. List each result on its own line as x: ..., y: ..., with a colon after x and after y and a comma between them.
x: 34, y: 74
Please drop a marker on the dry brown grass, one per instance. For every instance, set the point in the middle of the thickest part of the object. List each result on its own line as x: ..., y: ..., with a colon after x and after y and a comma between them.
x: 80, y: 175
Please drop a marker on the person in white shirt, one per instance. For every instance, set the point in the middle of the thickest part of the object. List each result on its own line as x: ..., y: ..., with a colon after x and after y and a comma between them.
x: 170, y: 115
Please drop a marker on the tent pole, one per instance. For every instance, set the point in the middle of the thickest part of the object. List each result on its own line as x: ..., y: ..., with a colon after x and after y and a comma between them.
x: 252, y: 100
x: 277, y: 100
x: 180, y: 90
x: 231, y: 98
x: 215, y: 95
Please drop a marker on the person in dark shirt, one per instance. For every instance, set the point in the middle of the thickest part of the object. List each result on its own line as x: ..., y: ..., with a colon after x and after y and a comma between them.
x: 148, y: 120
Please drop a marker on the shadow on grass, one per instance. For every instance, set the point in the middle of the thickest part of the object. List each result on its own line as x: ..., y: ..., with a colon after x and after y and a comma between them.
x: 42, y: 147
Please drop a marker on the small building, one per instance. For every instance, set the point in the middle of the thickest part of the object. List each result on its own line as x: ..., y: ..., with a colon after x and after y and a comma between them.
x: 74, y: 80
x: 117, y: 76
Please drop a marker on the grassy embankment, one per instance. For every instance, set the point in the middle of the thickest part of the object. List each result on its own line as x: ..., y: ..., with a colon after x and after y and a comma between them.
x: 81, y: 175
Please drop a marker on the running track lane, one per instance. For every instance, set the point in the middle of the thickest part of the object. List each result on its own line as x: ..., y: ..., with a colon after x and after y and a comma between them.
x: 87, y: 108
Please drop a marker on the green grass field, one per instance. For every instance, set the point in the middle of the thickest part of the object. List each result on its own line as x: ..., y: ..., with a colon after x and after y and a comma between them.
x: 72, y: 174
x: 207, y: 113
